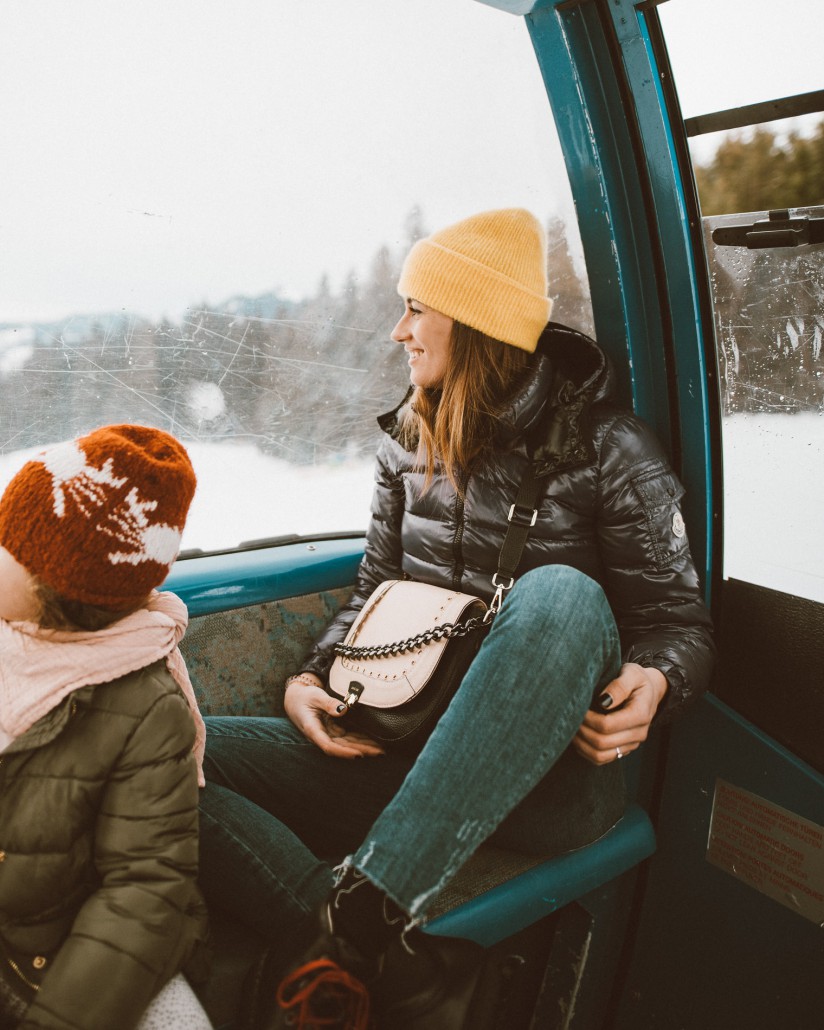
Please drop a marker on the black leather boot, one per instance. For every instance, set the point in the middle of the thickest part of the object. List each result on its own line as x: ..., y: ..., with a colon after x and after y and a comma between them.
x: 433, y: 983
x: 367, y: 971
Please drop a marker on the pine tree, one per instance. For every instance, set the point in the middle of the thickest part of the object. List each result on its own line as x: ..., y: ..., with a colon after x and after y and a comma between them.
x: 569, y: 292
x: 757, y: 172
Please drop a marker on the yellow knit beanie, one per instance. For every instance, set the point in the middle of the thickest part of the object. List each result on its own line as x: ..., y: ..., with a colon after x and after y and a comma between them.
x: 487, y: 271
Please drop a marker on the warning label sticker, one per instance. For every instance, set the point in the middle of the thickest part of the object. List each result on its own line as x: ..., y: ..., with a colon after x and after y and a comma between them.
x: 773, y: 850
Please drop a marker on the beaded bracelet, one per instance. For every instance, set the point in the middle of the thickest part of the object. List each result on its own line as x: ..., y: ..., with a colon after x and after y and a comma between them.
x: 301, y: 677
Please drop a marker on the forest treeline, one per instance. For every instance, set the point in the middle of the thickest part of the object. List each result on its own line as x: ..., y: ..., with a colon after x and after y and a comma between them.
x: 302, y: 380
x: 761, y: 170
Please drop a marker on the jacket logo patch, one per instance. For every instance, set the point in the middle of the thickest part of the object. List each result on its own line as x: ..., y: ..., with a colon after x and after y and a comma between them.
x: 678, y: 526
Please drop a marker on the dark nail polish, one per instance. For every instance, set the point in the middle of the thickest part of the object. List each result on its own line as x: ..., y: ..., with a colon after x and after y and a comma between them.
x: 605, y: 700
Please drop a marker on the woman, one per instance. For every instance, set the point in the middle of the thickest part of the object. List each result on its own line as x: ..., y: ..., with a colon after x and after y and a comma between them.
x: 606, y: 605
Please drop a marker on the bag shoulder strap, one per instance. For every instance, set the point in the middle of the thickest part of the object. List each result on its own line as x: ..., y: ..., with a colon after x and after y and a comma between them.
x: 522, y: 517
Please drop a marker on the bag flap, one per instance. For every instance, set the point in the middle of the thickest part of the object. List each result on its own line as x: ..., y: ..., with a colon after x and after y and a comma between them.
x: 396, y: 611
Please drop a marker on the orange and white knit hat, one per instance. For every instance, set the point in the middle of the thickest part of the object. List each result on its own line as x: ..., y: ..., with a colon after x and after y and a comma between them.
x: 99, y: 519
x: 488, y: 272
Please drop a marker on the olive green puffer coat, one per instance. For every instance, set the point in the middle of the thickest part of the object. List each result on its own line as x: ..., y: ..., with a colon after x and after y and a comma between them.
x: 98, y: 853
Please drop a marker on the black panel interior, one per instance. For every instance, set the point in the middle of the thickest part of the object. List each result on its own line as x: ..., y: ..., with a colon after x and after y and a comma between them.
x: 771, y: 664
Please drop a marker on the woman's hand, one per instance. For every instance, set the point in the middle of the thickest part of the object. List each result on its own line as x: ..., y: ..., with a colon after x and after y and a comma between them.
x: 636, y: 694
x: 314, y: 713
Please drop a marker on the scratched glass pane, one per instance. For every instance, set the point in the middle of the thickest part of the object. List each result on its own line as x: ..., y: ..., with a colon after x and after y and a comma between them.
x: 257, y: 399
x: 769, y: 325
x: 281, y: 179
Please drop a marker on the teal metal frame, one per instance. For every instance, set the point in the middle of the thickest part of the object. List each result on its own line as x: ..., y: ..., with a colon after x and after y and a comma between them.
x: 236, y: 579
x: 604, y: 87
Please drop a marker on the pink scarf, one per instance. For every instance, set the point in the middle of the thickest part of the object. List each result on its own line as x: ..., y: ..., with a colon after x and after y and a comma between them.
x: 39, y: 667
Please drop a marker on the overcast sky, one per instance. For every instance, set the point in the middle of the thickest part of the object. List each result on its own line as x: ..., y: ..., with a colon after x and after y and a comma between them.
x: 169, y: 152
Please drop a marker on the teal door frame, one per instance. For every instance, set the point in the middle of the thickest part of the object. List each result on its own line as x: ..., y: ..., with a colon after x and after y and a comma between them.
x: 616, y: 129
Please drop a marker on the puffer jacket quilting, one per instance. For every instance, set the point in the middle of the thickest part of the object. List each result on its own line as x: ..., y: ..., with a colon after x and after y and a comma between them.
x: 608, y: 506
x: 98, y: 836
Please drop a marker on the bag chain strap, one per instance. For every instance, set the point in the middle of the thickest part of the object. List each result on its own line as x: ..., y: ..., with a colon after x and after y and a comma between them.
x: 429, y: 636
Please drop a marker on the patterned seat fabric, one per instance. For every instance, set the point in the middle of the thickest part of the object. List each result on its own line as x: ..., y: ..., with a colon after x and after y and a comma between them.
x: 239, y: 660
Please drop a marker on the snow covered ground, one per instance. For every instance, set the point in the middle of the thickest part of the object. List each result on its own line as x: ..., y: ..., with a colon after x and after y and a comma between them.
x: 245, y: 495
x: 774, y: 502
x: 774, y: 486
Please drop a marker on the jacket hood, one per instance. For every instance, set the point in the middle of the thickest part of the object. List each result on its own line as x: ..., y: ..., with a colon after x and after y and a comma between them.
x: 569, y: 370
x: 582, y: 376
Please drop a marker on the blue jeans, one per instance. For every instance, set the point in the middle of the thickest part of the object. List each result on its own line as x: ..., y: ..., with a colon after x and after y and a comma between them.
x: 277, y: 813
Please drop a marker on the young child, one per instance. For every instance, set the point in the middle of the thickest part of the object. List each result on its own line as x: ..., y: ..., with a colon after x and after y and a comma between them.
x: 100, y: 741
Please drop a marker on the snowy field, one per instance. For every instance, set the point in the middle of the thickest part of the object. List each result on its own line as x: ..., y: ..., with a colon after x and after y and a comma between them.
x: 774, y: 475
x: 774, y: 502
x: 245, y: 495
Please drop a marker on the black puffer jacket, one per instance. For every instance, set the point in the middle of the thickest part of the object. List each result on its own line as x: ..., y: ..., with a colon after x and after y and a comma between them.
x: 609, y: 506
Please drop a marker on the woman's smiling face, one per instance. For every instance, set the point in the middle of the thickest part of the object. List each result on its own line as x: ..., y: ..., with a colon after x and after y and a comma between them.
x: 426, y: 336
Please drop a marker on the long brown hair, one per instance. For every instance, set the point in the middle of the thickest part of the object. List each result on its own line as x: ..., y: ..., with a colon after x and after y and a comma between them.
x: 456, y: 422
